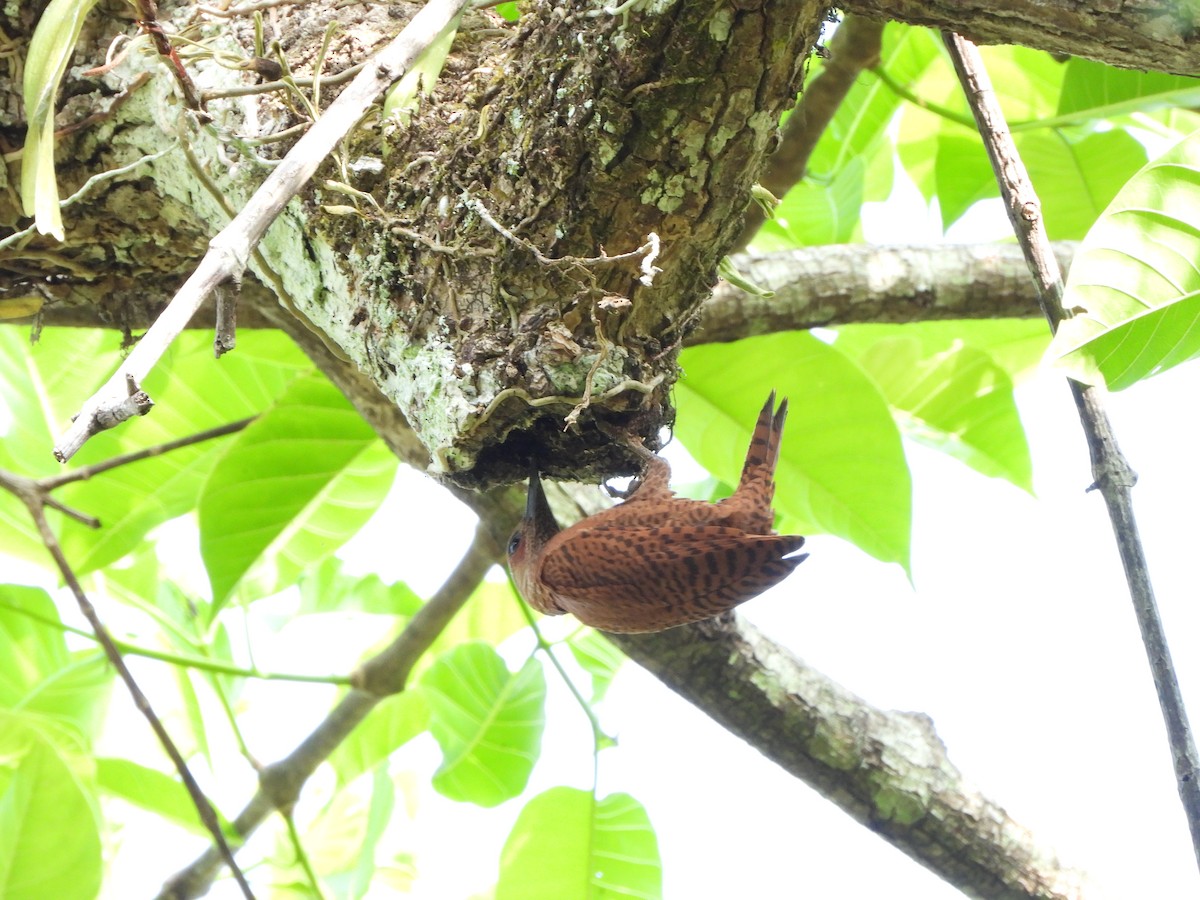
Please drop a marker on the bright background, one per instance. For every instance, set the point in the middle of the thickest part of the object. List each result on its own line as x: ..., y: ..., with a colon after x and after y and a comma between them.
x: 1017, y: 638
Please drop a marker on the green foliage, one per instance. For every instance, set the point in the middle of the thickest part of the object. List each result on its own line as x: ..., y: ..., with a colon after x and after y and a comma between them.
x: 598, y: 657
x: 488, y: 722
x: 38, y: 674
x: 390, y: 725
x: 1097, y: 91
x: 50, y: 52
x: 51, y: 701
x: 1135, y: 287
x: 49, y: 826
x: 569, y: 845
x: 291, y: 488
x: 947, y: 394
x: 153, y: 791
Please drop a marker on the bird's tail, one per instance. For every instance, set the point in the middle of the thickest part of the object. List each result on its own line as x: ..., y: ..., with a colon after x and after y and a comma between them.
x: 757, y: 486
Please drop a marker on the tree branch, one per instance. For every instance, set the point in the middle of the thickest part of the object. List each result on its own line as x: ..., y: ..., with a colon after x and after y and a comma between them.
x: 1158, y: 34
x: 34, y: 496
x: 383, y: 675
x: 850, y: 283
x: 229, y: 251
x: 812, y: 286
x: 1112, y: 474
x: 887, y: 770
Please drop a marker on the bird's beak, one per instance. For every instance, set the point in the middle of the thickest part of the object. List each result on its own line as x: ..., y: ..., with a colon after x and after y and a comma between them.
x: 535, y: 498
x: 538, y: 515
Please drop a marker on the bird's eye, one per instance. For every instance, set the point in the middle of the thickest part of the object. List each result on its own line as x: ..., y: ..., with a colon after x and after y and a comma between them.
x: 514, y: 542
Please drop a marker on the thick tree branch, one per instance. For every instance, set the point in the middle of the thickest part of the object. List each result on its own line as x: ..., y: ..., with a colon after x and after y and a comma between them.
x: 813, y: 286
x: 853, y: 283
x: 230, y: 250
x: 1153, y: 34
x: 887, y: 770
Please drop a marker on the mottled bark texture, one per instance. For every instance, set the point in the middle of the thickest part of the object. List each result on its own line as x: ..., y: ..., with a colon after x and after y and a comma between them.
x: 888, y: 770
x: 1163, y: 35
x: 471, y: 291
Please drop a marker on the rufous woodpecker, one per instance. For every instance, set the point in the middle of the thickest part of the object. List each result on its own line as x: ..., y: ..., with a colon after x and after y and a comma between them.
x: 656, y: 560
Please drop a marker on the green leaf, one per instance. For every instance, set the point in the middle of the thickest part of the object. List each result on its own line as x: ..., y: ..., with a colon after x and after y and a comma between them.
x: 492, y: 614
x: 359, y: 877
x: 38, y: 674
x: 33, y: 651
x: 340, y: 844
x: 1135, y: 283
x: 49, y: 825
x: 841, y: 469
x: 948, y: 395
x: 50, y: 52
x: 193, y: 392
x: 818, y: 210
x: 1077, y: 175
x: 1028, y: 83
x: 962, y: 173
x: 395, y: 721
x: 41, y: 385
x: 508, y: 11
x: 1102, y: 92
x: 567, y: 845
x: 291, y: 489
x: 1016, y: 345
x: 153, y: 791
x: 326, y: 588
x: 487, y: 721
x: 400, y: 101
x: 599, y: 657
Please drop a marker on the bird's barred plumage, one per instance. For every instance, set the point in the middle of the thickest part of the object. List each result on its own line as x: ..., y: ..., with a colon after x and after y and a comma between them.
x: 657, y: 560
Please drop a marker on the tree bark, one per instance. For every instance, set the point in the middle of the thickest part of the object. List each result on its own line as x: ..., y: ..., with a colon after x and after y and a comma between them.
x: 470, y: 291
x: 1149, y: 34
x: 888, y: 770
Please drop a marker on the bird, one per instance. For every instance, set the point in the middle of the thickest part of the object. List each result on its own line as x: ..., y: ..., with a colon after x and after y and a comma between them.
x: 656, y: 561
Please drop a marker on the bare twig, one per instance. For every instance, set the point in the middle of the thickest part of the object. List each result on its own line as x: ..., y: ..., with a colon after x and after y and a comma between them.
x: 35, y: 502
x: 85, y: 472
x: 381, y: 676
x: 35, y: 494
x: 1112, y: 474
x: 229, y: 251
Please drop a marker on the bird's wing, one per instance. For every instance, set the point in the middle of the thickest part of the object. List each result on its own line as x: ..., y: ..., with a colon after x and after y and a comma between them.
x: 627, y: 578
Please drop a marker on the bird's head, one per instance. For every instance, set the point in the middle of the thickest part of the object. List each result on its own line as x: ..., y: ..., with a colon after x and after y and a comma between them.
x: 537, y: 527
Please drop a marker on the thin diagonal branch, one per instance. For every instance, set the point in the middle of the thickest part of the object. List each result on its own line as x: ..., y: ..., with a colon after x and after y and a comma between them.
x: 379, y: 677
x: 208, y: 815
x: 1112, y: 474
x: 83, y: 473
x: 35, y: 494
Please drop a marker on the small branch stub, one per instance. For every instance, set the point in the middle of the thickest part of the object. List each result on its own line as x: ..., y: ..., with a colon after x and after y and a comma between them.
x: 109, y: 415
